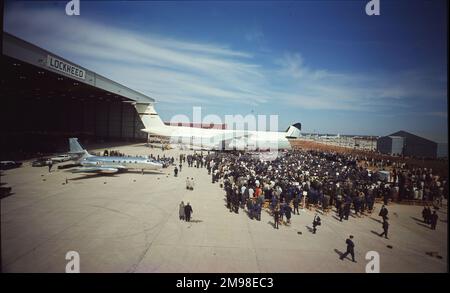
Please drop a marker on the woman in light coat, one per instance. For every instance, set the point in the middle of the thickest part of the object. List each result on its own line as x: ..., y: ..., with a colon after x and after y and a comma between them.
x: 181, y: 211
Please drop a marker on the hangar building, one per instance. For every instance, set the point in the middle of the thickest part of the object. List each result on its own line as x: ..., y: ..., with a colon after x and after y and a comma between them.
x: 392, y: 145
x: 45, y: 99
x: 408, y: 144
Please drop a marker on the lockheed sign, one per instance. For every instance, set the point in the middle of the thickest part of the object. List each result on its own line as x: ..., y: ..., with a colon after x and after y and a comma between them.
x: 65, y: 67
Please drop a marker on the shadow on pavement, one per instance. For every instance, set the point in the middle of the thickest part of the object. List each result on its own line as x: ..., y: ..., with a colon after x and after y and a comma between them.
x: 6, y: 195
x: 155, y: 172
x: 374, y: 232
x: 337, y: 218
x: 271, y: 224
x: 376, y: 220
x: 417, y: 219
x: 340, y: 253
x: 90, y: 176
x: 423, y: 225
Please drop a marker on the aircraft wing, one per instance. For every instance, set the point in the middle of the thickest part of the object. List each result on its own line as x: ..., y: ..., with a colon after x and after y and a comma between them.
x: 216, y: 141
x: 225, y: 137
x: 96, y: 169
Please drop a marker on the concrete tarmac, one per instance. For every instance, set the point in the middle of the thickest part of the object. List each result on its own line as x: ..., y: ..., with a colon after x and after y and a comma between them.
x: 129, y: 222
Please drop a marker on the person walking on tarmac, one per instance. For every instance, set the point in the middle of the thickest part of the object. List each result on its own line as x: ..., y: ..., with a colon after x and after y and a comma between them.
x: 235, y: 201
x: 426, y: 214
x: 288, y: 213
x: 181, y: 211
x: 433, y: 221
x: 296, y: 202
x: 340, y: 209
x: 316, y: 222
x: 385, y: 229
x: 350, y: 249
x: 187, y: 212
x: 383, y: 213
x: 50, y: 165
x: 276, y: 217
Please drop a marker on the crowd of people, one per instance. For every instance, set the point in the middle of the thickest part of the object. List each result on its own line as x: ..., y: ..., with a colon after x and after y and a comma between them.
x: 349, y: 184
x: 315, y: 179
x: 297, y: 178
x: 410, y: 183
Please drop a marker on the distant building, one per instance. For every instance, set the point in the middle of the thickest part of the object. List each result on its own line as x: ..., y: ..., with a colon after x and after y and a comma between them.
x: 442, y: 150
x: 365, y: 142
x: 408, y: 144
x: 392, y: 145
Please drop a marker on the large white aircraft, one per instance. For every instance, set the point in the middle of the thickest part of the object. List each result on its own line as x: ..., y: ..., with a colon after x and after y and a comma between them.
x: 215, y: 139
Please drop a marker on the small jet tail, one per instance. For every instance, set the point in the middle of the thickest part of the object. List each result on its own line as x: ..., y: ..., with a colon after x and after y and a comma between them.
x: 294, y: 131
x: 75, y: 146
x: 149, y: 117
x: 76, y: 150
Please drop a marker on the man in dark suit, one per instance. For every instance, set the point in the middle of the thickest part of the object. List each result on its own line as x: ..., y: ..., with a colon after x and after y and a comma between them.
x: 383, y: 213
x: 385, y: 229
x: 434, y: 218
x: 316, y: 222
x: 276, y: 217
x: 187, y: 212
x: 340, y: 209
x: 426, y: 215
x: 296, y: 202
x: 350, y: 249
x: 235, y: 201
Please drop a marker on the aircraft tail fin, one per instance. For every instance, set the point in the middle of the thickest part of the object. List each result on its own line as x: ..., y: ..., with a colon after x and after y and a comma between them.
x: 75, y: 146
x: 293, y: 131
x: 149, y: 116
x: 76, y: 150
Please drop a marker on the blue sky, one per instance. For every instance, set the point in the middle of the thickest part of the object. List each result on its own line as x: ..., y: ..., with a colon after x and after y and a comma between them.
x: 325, y: 64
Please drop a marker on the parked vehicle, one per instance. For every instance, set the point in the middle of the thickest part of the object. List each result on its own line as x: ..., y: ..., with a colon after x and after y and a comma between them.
x: 6, y: 165
x: 61, y: 158
x: 39, y: 162
x: 5, y: 191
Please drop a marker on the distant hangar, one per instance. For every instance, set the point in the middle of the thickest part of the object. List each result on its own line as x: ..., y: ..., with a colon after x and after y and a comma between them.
x: 408, y: 144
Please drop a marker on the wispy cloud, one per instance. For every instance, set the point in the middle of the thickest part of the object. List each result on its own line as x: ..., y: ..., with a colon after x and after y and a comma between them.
x: 182, y: 71
x: 291, y: 65
x: 369, y: 91
x: 174, y: 70
x: 438, y: 114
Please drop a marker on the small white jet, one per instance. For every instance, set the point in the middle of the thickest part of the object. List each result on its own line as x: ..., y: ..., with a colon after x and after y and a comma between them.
x: 107, y: 164
x: 216, y: 139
